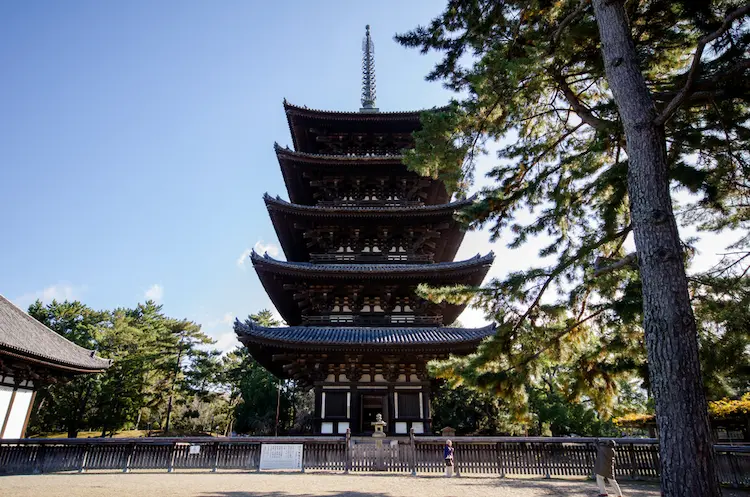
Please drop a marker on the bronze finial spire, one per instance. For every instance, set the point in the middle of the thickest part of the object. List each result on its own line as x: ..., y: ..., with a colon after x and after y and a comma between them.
x: 368, y: 73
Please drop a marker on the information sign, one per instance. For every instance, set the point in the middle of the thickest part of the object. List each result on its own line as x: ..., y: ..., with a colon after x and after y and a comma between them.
x: 281, y: 456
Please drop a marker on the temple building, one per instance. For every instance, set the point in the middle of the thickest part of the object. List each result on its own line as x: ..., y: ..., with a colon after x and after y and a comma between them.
x: 360, y: 232
x: 31, y: 357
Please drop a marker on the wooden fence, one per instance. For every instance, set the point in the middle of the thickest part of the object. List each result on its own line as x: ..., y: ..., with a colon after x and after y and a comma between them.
x: 536, y: 456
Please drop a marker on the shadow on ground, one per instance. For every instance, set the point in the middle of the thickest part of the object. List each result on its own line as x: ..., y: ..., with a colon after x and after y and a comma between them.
x: 285, y: 494
x: 555, y: 487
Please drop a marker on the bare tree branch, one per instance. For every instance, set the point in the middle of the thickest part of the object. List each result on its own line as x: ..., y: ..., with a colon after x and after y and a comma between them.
x: 678, y: 100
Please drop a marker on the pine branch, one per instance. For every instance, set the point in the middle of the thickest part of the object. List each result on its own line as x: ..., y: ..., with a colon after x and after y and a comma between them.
x: 628, y: 260
x: 553, y: 341
x: 579, y: 108
x: 568, y: 19
x: 561, y: 268
x: 683, y: 94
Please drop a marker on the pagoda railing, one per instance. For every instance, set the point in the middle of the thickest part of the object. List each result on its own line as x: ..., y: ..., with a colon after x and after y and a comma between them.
x: 544, y: 457
x: 360, y: 320
x: 372, y: 257
x: 370, y: 204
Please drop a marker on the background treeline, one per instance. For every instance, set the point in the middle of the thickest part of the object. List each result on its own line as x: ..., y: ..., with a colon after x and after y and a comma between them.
x: 159, y: 361
x: 165, y: 376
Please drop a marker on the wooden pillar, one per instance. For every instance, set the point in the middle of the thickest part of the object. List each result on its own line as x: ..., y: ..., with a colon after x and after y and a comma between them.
x: 427, y: 418
x: 318, y: 409
x: 348, y: 451
x: 413, y: 458
x: 354, y: 418
x: 391, y: 400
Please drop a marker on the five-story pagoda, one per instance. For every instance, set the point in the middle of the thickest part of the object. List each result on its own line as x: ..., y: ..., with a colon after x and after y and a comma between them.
x: 360, y: 232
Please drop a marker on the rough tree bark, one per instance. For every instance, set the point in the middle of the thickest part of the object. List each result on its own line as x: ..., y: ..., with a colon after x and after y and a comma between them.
x: 687, y: 458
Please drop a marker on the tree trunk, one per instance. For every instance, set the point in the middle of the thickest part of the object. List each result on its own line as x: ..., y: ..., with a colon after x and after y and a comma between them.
x: 687, y: 457
x: 171, y: 389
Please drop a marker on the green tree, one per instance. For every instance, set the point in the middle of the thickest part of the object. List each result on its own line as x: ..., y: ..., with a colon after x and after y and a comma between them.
x: 124, y: 387
x: 256, y: 391
x: 471, y: 413
x: 722, y: 309
x: 181, y: 347
x: 68, y: 405
x: 157, y: 360
x: 607, y: 105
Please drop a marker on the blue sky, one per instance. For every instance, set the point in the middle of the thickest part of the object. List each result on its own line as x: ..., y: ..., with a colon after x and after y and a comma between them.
x: 136, y: 140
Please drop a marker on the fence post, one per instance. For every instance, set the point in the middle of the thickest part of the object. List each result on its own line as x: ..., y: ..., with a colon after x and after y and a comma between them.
x: 215, y: 464
x: 546, y: 459
x: 39, y: 461
x: 455, y: 460
x: 500, y: 460
x: 347, y: 452
x: 633, y: 464
x: 85, y: 458
x: 128, y: 455
x: 413, y: 458
x: 734, y: 468
x: 172, y: 450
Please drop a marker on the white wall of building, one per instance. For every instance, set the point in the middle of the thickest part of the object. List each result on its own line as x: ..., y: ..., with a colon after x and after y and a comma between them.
x: 6, y: 393
x: 15, y: 403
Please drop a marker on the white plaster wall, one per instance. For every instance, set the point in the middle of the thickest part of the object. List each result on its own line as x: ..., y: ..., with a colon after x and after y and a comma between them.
x: 5, y: 394
x: 18, y: 412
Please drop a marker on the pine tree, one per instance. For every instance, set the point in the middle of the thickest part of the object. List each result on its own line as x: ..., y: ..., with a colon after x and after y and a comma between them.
x: 606, y: 108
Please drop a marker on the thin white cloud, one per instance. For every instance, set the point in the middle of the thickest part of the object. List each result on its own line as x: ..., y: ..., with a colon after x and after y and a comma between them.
x: 225, y: 319
x: 59, y: 292
x: 473, y: 318
x: 243, y: 258
x: 260, y: 247
x: 155, y: 293
x: 225, y: 342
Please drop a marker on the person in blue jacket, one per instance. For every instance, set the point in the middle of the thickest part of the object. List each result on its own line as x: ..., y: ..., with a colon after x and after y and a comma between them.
x: 448, y: 456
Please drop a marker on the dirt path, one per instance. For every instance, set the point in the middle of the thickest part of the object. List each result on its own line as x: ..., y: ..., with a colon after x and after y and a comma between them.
x: 184, y: 484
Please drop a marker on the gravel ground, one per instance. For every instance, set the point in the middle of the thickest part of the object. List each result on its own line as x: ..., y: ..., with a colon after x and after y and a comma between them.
x: 184, y: 484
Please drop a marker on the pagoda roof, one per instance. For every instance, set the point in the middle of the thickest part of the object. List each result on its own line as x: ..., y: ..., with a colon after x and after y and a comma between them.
x: 298, y: 185
x: 290, y: 220
x: 306, y: 125
x: 280, y: 278
x: 350, y: 338
x: 277, y: 348
x: 303, y: 110
x: 477, y: 264
x: 25, y: 339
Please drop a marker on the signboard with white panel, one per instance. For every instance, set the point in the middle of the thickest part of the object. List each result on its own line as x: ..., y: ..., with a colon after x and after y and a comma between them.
x: 281, y: 456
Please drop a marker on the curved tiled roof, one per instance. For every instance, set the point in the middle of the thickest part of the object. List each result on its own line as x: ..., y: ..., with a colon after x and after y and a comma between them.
x: 423, y: 271
x: 375, y: 211
x: 352, y: 115
x: 25, y: 338
x: 360, y: 336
